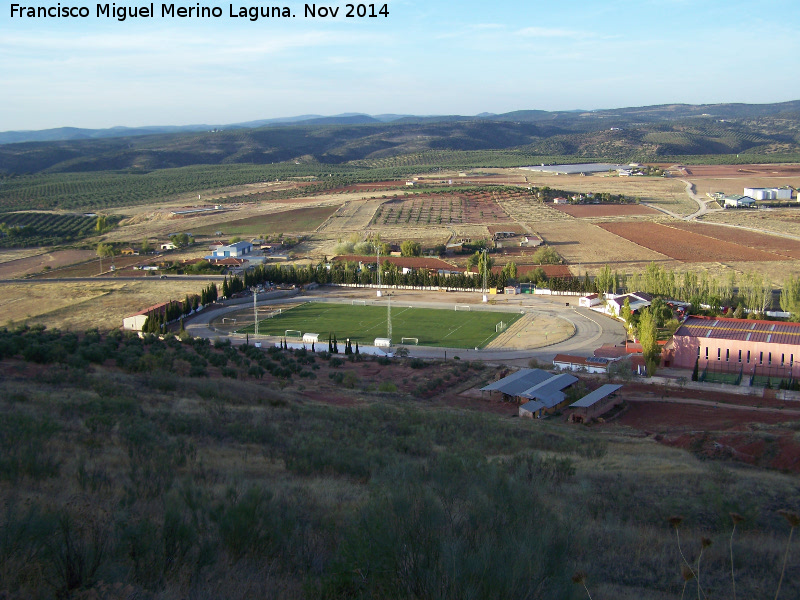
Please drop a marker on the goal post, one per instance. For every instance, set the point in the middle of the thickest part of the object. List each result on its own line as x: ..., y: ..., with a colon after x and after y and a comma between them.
x: 359, y: 302
x: 465, y: 307
x: 273, y: 313
x: 501, y: 326
x: 293, y: 333
x: 228, y: 320
x: 409, y: 341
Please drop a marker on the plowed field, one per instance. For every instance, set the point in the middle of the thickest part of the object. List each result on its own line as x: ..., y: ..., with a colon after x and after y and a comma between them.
x: 751, y: 239
x: 686, y: 246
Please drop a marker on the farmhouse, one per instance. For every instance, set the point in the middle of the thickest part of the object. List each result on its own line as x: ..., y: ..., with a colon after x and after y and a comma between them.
x: 614, y: 303
x: 738, y: 201
x: 590, y: 300
x: 232, y: 250
x: 746, y: 346
x: 595, y: 404
x: 168, y: 246
x: 136, y: 321
x: 530, y: 241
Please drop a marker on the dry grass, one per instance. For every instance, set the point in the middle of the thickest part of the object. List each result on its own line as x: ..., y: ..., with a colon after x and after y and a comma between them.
x: 584, y: 244
x: 82, y: 306
x: 781, y: 221
x: 736, y: 185
x: 669, y: 194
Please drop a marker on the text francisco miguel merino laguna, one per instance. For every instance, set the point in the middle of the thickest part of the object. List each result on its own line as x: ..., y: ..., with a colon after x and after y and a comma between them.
x: 121, y: 13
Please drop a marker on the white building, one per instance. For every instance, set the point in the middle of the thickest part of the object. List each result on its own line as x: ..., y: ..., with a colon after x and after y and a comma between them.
x: 236, y: 250
x: 784, y: 193
x: 739, y: 202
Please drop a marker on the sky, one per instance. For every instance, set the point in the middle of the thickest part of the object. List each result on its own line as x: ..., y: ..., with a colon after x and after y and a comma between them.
x: 426, y: 57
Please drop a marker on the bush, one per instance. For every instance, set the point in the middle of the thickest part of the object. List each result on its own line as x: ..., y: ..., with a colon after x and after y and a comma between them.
x: 387, y: 386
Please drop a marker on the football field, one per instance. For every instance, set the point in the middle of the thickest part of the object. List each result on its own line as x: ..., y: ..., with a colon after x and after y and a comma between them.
x: 432, y: 327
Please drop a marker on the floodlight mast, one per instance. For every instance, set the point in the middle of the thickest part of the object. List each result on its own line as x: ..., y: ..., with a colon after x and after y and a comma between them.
x: 255, y: 310
x: 378, y: 264
x: 485, y: 297
x: 389, y: 318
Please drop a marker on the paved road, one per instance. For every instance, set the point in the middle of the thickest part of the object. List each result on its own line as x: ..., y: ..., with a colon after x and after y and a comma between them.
x: 169, y: 278
x: 591, y: 329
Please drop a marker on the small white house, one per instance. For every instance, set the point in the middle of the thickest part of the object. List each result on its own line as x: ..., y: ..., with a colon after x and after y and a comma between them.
x: 168, y: 246
x: 589, y: 301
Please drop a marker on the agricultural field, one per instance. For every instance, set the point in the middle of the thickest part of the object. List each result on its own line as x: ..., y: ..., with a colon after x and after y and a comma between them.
x: 685, y: 246
x: 589, y: 247
x: 86, y: 305
x: 475, y: 206
x: 350, y: 216
x: 665, y: 193
x: 299, y: 220
x: 593, y: 211
x: 29, y: 265
x: 432, y: 327
x: 768, y: 243
x: 779, y: 221
x: 26, y: 229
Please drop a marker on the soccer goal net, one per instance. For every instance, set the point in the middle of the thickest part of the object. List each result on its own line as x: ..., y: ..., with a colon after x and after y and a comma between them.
x: 359, y: 302
x: 409, y: 341
x: 228, y: 320
x: 465, y: 307
x: 501, y: 326
x: 274, y: 313
x: 293, y: 333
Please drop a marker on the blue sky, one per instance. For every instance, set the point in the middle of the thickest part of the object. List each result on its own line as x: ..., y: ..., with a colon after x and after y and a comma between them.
x: 434, y: 57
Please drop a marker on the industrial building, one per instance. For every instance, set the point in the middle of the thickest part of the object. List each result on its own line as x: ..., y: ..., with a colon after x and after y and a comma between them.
x: 738, y: 201
x: 746, y: 346
x: 784, y: 193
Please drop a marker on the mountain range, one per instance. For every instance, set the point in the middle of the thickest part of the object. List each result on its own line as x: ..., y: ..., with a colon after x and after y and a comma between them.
x: 637, y: 133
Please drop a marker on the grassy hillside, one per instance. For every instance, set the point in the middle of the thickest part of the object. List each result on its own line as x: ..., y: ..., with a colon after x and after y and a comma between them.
x: 160, y: 469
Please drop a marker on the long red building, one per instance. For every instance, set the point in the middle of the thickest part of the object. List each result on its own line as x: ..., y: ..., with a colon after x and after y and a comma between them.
x: 752, y: 346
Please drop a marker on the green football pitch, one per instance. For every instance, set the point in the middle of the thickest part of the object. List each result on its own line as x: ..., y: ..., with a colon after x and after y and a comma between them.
x: 432, y: 327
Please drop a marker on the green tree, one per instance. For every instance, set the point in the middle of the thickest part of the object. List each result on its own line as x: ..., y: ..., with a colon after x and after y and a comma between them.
x: 105, y: 250
x: 509, y: 271
x: 101, y: 224
x: 790, y: 297
x: 648, y: 338
x: 410, y: 248
x: 146, y: 246
x: 604, y: 281
x: 627, y: 314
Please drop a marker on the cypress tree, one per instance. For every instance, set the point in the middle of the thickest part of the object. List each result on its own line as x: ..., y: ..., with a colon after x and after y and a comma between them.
x: 696, y: 369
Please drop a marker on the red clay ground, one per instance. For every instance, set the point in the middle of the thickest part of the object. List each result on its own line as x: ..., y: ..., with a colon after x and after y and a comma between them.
x: 762, y: 435
x: 586, y: 211
x: 685, y: 246
x: 759, y: 241
x: 35, y: 264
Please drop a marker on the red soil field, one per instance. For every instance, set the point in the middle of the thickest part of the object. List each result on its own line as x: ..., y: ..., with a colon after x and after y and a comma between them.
x: 686, y: 246
x: 583, y: 211
x: 751, y: 239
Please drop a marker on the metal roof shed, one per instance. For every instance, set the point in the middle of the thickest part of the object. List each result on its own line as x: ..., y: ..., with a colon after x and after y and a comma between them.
x: 595, y: 403
x: 518, y: 382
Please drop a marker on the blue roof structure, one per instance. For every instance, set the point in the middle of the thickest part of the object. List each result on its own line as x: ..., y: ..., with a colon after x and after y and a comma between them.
x: 595, y: 396
x: 518, y: 382
x: 534, y: 384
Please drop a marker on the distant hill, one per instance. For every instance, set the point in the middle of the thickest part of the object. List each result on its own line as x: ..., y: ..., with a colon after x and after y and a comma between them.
x: 638, y: 133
